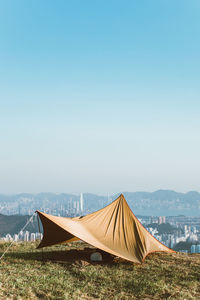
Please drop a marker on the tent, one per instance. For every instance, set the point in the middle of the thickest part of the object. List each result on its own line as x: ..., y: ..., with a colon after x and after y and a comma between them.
x: 114, y: 229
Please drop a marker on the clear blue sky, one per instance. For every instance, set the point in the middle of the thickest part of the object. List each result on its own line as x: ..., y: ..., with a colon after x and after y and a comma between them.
x: 99, y: 96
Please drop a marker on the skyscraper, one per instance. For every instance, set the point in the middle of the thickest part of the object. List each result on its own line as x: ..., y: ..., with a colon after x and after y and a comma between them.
x: 77, y: 207
x: 81, y: 202
x: 109, y: 199
x: 161, y: 220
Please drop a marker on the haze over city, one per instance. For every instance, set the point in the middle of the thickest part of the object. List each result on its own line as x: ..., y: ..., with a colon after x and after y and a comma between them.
x: 99, y: 96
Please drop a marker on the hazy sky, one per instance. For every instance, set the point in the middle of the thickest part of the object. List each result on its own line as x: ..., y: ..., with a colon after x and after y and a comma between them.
x: 99, y: 96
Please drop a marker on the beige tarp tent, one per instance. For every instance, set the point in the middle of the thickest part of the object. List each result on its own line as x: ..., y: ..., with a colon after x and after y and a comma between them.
x: 114, y: 229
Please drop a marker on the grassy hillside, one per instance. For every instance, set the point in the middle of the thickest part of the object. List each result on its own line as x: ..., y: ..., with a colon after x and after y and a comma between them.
x: 67, y: 273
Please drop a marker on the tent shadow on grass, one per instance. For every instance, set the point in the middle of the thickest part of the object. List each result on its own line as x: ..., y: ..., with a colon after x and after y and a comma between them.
x: 63, y: 256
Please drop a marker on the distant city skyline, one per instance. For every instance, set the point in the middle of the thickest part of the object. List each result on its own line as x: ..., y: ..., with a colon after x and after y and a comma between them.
x: 99, y: 97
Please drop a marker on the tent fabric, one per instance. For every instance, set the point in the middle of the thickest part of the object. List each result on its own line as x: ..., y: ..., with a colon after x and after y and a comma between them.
x: 114, y: 229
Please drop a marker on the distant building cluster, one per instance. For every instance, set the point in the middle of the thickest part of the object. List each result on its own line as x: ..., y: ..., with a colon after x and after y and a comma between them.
x: 24, y: 236
x: 74, y: 208
x: 70, y: 207
x: 186, y: 230
x: 195, y: 249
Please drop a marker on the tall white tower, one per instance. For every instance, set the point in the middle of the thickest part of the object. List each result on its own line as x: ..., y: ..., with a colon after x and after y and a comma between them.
x: 109, y: 199
x: 81, y: 202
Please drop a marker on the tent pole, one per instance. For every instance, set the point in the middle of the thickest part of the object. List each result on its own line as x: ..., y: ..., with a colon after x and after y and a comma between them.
x: 40, y: 235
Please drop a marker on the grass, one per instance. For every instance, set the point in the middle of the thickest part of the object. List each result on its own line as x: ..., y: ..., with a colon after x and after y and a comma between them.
x: 67, y: 273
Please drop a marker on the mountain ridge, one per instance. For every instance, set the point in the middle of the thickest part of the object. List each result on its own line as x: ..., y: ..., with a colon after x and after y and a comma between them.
x: 159, y: 202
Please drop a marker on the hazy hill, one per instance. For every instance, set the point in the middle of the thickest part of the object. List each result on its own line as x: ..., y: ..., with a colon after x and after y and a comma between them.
x: 13, y: 224
x: 164, y: 202
x: 161, y: 202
